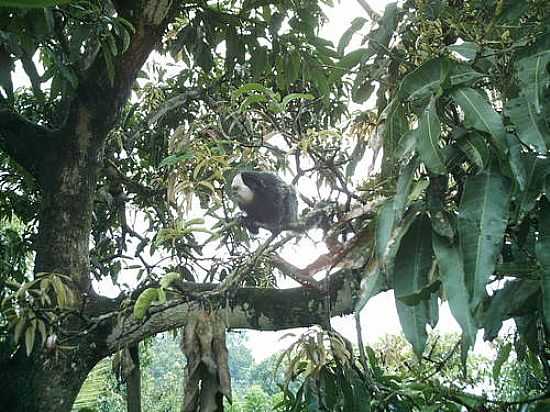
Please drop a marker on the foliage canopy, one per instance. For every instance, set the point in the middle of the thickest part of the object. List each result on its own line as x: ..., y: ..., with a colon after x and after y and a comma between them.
x: 111, y: 163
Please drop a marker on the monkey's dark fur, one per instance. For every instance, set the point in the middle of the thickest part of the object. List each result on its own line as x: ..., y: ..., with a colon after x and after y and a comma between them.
x: 267, y: 201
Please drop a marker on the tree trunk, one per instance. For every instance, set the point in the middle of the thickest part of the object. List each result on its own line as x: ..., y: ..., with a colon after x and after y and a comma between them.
x: 50, y: 381
x: 133, y: 382
x: 45, y: 382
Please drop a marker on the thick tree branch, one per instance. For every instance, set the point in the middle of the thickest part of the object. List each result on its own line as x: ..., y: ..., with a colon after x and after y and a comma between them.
x: 101, y: 93
x: 23, y: 141
x: 249, y: 308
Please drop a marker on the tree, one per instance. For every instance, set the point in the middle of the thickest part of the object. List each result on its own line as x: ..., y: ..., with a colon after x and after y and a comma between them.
x: 459, y: 204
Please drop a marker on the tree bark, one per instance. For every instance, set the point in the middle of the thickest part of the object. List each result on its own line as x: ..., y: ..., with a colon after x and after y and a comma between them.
x: 46, y: 382
x: 133, y: 382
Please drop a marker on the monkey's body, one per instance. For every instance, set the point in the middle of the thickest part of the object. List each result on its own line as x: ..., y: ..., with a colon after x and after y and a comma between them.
x: 267, y: 201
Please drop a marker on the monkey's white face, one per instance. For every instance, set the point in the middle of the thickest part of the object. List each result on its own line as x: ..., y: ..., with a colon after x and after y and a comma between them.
x: 242, y: 191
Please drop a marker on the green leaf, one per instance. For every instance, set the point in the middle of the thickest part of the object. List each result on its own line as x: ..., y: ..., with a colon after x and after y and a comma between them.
x: 403, y: 187
x: 542, y: 251
x: 259, y: 61
x: 30, y: 335
x: 176, y: 158
x: 19, y: 328
x: 397, y: 235
x: 413, y: 263
x: 534, y: 78
x: 372, y: 284
x: 516, y: 298
x: 425, y: 81
x: 451, y: 272
x: 295, y: 96
x: 536, y: 169
x: 251, y: 100
x: 482, y: 220
x: 109, y: 64
x: 502, y: 357
x: 144, y: 301
x: 467, y: 50
x: 427, y: 140
x: 475, y: 148
x: 385, y: 221
x: 168, y: 279
x: 413, y: 321
x: 353, y: 58
x: 480, y: 115
x: 530, y: 126
x: 515, y: 160
x: 395, y: 130
x: 356, y: 25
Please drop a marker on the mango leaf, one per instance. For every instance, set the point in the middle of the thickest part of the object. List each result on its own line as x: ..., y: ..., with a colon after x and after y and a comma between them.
x: 527, y: 329
x: 168, y: 279
x: 502, y: 357
x: 542, y: 251
x: 482, y: 219
x: 427, y: 140
x: 475, y: 148
x: 413, y: 321
x: 144, y: 301
x: 372, y: 284
x: 385, y: 221
x: 480, y: 115
x: 30, y: 335
x: 403, y: 187
x: 468, y: 50
x: 536, y: 169
x: 517, y: 298
x: 530, y: 126
x: 395, y: 128
x: 425, y: 81
x: 451, y: 272
x: 397, y: 234
x: 534, y: 79
x: 515, y: 160
x: 353, y: 58
x: 413, y: 263
x: 295, y: 96
x: 356, y: 25
x: 463, y: 74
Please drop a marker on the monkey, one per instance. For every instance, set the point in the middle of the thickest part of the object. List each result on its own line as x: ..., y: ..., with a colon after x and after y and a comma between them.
x: 267, y: 201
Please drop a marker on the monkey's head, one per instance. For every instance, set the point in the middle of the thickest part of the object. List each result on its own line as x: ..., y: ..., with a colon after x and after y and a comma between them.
x: 242, y: 192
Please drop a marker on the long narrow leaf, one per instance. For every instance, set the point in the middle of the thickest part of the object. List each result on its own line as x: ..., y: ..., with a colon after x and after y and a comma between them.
x: 480, y: 115
x: 427, y: 140
x: 482, y: 219
x: 413, y: 263
x: 451, y: 270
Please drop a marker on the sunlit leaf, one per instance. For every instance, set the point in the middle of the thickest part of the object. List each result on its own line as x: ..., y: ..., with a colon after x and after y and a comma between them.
x: 144, y: 301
